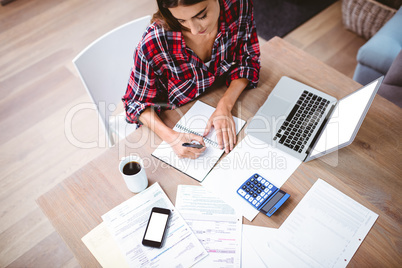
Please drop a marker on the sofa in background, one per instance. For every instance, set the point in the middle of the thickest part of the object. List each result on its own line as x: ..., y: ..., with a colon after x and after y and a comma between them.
x: 379, y: 21
x: 391, y: 87
x: 375, y: 57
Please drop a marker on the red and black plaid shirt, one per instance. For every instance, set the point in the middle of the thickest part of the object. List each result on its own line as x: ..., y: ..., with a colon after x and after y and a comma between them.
x: 167, y: 74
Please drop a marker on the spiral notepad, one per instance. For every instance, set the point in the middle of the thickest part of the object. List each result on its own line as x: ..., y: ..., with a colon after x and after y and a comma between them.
x: 187, y: 130
x: 195, y: 121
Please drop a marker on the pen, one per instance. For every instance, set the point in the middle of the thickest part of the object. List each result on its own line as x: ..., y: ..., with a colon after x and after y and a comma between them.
x: 193, y: 145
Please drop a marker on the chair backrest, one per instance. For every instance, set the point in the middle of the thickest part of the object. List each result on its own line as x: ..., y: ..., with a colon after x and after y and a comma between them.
x: 105, y: 65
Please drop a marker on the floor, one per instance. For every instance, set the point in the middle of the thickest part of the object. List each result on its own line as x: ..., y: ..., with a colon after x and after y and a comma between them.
x: 43, y: 138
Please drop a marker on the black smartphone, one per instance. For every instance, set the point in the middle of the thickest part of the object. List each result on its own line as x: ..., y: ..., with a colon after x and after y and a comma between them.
x: 156, y: 227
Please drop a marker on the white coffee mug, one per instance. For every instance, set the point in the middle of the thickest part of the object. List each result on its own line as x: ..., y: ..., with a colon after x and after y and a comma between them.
x: 133, y: 172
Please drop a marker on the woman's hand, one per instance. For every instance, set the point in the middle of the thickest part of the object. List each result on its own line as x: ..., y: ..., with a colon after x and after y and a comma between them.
x: 222, y: 121
x: 176, y: 141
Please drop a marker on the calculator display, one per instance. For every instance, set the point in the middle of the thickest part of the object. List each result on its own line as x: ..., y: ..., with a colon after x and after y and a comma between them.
x: 268, y: 206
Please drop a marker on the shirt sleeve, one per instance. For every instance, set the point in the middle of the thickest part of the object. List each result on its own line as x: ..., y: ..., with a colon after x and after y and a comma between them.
x: 248, y: 57
x: 142, y: 90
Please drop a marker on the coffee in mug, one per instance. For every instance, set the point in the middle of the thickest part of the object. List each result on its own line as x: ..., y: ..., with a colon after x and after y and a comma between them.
x: 133, y: 172
x: 131, y: 168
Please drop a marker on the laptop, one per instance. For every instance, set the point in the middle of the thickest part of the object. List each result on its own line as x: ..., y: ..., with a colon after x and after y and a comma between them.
x: 307, y: 123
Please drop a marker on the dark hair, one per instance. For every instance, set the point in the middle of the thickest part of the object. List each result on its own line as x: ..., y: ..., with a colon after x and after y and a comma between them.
x: 165, y: 18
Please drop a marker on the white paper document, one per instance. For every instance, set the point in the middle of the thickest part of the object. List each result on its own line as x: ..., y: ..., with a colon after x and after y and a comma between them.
x: 249, y: 257
x: 195, y: 121
x: 127, y: 223
x: 248, y: 157
x: 324, y: 230
x: 214, y: 223
x: 255, y: 252
x: 104, y: 248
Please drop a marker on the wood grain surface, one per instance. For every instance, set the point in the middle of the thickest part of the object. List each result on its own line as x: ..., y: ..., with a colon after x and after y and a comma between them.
x: 368, y: 170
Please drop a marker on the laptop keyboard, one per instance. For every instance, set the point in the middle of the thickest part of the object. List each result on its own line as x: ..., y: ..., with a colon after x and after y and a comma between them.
x: 301, y: 121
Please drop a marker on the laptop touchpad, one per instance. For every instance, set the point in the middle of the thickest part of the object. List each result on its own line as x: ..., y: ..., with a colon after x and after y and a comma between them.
x: 269, y: 118
x: 279, y: 107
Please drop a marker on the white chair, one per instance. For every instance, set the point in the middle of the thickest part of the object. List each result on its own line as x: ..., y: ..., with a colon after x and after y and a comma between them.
x: 104, y: 67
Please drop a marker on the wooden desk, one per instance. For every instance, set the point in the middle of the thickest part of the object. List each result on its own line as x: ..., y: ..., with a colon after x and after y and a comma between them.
x: 368, y: 171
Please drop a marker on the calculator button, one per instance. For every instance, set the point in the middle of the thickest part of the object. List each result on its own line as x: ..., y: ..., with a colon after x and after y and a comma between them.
x: 269, y: 192
x: 256, y: 190
x: 241, y: 192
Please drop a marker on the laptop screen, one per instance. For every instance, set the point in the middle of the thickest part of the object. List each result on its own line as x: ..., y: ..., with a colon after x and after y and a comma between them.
x: 345, y: 120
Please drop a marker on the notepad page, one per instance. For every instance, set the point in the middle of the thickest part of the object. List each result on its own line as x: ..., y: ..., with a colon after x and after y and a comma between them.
x: 195, y: 120
x: 195, y: 168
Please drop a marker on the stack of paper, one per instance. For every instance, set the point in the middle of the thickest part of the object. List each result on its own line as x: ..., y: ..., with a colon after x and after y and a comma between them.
x: 126, y: 224
x: 324, y: 230
x: 215, y: 224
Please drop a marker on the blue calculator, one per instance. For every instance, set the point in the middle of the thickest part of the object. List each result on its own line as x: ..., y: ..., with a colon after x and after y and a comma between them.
x: 262, y: 194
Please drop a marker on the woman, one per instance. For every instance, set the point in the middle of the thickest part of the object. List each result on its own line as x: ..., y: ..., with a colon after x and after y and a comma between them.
x: 190, y: 44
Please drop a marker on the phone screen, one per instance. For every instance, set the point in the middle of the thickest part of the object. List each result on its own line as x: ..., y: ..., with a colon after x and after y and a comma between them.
x: 156, y: 227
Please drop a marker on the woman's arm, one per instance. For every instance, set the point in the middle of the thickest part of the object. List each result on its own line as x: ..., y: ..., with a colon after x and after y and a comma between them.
x: 245, y: 74
x: 175, y: 139
x: 222, y: 119
x: 248, y: 54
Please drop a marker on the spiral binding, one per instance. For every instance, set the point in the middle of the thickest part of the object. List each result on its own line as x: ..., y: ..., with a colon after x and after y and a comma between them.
x: 209, y: 141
